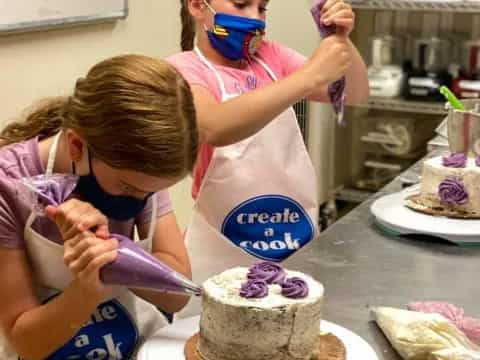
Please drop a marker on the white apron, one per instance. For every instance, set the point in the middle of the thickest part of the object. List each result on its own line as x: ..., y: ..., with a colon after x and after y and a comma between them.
x: 258, y: 199
x: 117, y: 328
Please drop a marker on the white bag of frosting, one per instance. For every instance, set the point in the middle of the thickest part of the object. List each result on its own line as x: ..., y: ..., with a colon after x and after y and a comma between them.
x: 416, y: 335
x: 455, y: 354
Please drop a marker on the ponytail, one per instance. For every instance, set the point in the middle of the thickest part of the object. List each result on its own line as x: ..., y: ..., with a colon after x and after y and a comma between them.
x: 188, y: 27
x: 45, y: 121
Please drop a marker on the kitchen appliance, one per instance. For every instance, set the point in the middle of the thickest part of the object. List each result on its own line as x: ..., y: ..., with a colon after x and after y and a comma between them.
x: 431, y: 60
x: 467, y: 84
x: 385, y: 73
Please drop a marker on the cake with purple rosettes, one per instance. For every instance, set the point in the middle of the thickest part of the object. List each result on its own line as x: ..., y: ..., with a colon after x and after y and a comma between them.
x: 259, y: 313
x: 450, y: 186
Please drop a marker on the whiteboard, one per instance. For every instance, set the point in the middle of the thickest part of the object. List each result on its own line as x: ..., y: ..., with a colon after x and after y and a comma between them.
x: 23, y: 15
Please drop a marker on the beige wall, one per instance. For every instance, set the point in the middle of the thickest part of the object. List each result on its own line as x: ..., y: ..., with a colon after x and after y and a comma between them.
x: 47, y: 63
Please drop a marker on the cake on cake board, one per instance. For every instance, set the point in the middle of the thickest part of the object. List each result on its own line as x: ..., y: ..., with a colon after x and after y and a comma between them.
x: 169, y: 343
x: 263, y: 312
x: 449, y: 186
x: 393, y: 217
x: 331, y: 348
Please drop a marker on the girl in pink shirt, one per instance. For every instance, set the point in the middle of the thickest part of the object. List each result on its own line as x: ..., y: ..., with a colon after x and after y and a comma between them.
x: 129, y: 132
x: 264, y: 99
x: 254, y: 184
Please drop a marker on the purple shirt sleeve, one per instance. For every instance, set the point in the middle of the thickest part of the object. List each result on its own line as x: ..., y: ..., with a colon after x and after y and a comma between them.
x: 164, y: 206
x: 12, y: 217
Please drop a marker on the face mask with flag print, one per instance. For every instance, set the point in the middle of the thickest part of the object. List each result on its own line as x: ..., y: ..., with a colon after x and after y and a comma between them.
x: 235, y: 37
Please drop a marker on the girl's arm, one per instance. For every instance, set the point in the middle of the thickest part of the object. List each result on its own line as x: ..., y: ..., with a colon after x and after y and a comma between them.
x: 226, y: 123
x: 34, y: 330
x: 357, y: 89
x: 169, y: 247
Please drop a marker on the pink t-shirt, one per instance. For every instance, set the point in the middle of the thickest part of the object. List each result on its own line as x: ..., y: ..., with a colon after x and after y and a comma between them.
x: 281, y: 60
x: 23, y: 160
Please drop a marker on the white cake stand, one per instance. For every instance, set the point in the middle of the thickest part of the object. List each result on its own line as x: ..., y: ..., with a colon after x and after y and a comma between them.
x: 168, y: 343
x: 395, y: 218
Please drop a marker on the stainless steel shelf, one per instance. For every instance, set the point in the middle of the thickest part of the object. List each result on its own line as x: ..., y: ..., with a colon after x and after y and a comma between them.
x: 464, y: 6
x: 402, y: 105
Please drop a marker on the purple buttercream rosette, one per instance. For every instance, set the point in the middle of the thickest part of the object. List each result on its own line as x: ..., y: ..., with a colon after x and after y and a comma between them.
x: 267, y: 271
x: 477, y: 161
x: 295, y: 288
x: 453, y: 192
x: 458, y: 160
x: 254, y: 289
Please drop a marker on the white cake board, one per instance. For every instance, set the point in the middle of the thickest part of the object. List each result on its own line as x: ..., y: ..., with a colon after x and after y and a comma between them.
x: 395, y: 218
x: 168, y: 343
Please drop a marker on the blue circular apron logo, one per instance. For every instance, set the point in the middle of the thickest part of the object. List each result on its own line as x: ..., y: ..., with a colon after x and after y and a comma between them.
x: 109, y: 334
x: 270, y: 227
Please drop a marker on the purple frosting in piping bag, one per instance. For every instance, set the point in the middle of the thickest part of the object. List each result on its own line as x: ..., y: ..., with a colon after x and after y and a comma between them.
x: 254, y: 289
x: 336, y: 90
x: 458, y: 160
x: 43, y: 190
x: 295, y: 288
x: 136, y: 268
x: 453, y: 192
x: 267, y: 271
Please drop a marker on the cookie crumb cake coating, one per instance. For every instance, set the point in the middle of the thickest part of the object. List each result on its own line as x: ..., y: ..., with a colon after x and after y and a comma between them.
x: 261, y: 313
x: 453, y: 182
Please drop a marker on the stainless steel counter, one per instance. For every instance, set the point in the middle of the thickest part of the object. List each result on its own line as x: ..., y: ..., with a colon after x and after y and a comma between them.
x: 361, y: 266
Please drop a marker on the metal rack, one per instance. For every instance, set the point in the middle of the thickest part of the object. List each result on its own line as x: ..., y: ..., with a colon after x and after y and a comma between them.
x: 464, y: 6
x: 401, y: 105
x: 352, y: 195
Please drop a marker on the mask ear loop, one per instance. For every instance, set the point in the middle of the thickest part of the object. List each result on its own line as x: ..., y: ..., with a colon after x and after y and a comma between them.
x: 212, y: 10
x: 74, y: 166
x: 210, y: 7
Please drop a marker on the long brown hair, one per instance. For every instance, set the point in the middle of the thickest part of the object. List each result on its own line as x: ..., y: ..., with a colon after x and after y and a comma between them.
x: 188, y: 27
x: 135, y: 112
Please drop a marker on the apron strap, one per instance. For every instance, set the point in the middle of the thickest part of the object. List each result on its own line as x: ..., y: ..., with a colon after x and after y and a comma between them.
x: 215, y: 72
x: 153, y: 221
x: 266, y: 67
x: 219, y: 78
x: 51, y: 162
x: 52, y: 153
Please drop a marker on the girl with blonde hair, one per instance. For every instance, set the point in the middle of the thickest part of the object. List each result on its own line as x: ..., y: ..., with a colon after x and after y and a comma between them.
x: 129, y: 132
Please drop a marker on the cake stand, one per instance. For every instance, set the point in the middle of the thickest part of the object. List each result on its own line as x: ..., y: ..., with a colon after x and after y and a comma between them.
x: 169, y: 342
x: 393, y: 217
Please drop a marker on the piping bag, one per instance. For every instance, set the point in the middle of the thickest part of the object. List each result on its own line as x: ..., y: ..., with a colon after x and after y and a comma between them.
x: 133, y: 267
x: 336, y: 90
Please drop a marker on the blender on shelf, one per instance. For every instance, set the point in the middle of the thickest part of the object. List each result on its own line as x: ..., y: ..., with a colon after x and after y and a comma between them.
x: 385, y: 73
x: 431, y: 60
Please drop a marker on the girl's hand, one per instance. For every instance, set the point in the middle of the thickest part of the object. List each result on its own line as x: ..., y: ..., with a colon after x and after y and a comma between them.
x: 339, y: 13
x: 330, y: 62
x: 75, y: 216
x: 84, y: 255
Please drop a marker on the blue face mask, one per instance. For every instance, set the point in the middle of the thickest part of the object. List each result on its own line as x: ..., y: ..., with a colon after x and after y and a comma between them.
x: 235, y: 37
x: 116, y: 207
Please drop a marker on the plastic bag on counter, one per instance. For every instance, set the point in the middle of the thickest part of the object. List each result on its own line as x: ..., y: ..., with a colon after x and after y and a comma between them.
x: 336, y: 90
x: 469, y: 325
x: 455, y: 354
x: 416, y: 335
x: 134, y: 267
